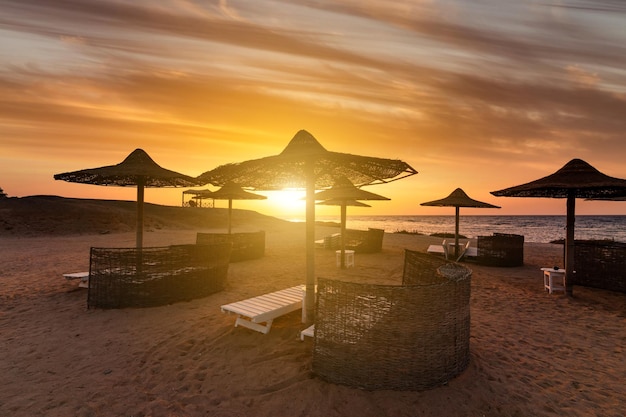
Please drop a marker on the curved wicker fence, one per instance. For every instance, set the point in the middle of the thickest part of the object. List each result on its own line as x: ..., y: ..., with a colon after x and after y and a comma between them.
x: 401, y: 337
x: 246, y: 245
x: 600, y: 264
x: 360, y: 241
x: 501, y: 249
x: 129, y: 277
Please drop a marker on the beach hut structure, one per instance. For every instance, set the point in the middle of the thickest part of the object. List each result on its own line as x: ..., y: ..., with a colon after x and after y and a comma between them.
x: 576, y: 179
x: 305, y: 163
x: 343, y: 193
x: 458, y: 198
x: 137, y: 170
x: 231, y: 191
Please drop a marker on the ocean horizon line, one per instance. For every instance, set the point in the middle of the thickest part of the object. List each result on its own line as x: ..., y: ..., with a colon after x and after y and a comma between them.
x: 537, y: 228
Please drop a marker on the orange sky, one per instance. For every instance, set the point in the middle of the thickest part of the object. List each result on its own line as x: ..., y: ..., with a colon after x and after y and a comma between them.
x: 478, y: 95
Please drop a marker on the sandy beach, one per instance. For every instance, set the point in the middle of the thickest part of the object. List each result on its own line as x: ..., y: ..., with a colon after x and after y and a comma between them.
x: 532, y: 354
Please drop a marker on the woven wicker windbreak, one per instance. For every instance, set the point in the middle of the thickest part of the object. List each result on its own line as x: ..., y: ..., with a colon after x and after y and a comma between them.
x: 128, y: 277
x: 501, y: 249
x: 408, y: 337
x: 365, y: 241
x: 246, y: 245
x: 600, y: 264
x: 360, y: 241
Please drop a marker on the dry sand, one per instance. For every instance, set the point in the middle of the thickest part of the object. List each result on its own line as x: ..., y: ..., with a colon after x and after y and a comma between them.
x: 532, y: 354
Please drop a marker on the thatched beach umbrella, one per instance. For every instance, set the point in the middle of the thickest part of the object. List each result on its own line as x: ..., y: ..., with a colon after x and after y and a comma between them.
x: 137, y: 170
x: 197, y: 195
x: 305, y: 163
x: 345, y: 194
x: 458, y: 198
x: 576, y: 179
x: 231, y: 191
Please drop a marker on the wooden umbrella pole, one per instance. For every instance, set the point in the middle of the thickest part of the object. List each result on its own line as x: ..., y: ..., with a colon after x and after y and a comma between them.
x: 140, y: 193
x: 343, y: 235
x: 569, y: 244
x: 309, y: 300
x: 230, y: 215
x: 456, y: 233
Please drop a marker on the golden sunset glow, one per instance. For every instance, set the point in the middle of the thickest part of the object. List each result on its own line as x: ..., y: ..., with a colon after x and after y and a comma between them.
x: 493, y: 95
x: 288, y: 202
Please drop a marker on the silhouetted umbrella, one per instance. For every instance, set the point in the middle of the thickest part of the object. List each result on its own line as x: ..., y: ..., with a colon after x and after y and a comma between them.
x: 139, y: 170
x: 576, y: 179
x: 346, y: 194
x: 230, y: 192
x: 350, y: 203
x: 305, y: 163
x: 198, y: 195
x: 457, y: 199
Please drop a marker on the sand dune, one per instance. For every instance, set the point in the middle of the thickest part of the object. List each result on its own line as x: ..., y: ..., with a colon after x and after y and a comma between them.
x: 532, y: 354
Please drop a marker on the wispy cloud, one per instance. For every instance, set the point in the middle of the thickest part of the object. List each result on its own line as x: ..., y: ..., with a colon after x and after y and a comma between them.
x: 439, y: 83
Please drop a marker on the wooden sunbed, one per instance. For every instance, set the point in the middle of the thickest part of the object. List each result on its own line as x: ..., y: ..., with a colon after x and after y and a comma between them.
x: 82, y: 276
x: 309, y: 332
x: 251, y: 313
x: 439, y: 249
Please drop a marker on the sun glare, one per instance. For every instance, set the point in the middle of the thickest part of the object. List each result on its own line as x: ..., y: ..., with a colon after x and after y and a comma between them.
x: 286, y: 203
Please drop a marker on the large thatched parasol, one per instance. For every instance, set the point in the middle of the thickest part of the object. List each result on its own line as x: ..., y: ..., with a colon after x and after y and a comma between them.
x: 343, y: 193
x: 139, y: 170
x: 576, y: 179
x: 305, y: 163
x: 458, y: 198
x: 231, y: 191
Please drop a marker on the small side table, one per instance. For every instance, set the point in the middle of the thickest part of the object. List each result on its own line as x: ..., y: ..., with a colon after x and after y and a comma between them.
x: 349, y: 258
x: 553, y: 279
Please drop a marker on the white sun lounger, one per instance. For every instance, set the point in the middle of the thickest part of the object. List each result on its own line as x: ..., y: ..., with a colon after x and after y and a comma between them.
x: 251, y: 313
x: 309, y: 332
x: 439, y: 249
x: 82, y: 276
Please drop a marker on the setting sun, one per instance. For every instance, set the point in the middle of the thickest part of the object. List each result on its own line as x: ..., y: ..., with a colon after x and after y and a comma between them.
x: 286, y: 203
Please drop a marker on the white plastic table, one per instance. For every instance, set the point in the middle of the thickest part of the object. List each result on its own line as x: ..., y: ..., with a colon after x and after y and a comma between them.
x: 553, y: 279
x: 349, y: 258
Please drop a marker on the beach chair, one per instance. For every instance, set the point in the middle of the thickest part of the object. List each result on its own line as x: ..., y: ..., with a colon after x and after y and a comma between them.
x: 83, y: 278
x: 464, y: 250
x: 439, y: 249
x: 255, y: 311
x: 308, y: 332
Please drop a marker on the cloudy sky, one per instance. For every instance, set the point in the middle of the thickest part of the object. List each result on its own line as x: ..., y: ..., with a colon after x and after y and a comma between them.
x: 481, y: 94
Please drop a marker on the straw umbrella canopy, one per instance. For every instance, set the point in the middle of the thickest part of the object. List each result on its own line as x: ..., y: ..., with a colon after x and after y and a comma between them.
x: 305, y: 163
x: 337, y: 202
x: 137, y: 170
x: 231, y: 191
x: 343, y: 193
x: 576, y: 179
x: 458, y: 198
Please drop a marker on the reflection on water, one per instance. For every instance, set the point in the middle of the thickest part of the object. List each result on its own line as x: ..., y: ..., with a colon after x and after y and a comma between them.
x: 541, y: 229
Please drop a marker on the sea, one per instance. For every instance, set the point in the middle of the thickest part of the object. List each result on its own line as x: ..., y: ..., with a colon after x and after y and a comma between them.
x: 537, y: 229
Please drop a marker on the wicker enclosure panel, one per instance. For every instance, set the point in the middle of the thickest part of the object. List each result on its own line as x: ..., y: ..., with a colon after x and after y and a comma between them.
x: 360, y: 241
x: 600, y: 264
x: 365, y: 241
x: 246, y: 245
x: 501, y: 249
x: 408, y: 337
x: 128, y: 277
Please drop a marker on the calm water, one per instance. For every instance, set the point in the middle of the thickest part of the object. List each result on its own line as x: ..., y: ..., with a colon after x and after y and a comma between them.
x: 542, y: 229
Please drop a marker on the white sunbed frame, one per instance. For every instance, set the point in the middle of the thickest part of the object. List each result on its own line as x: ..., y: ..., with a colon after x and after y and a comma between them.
x: 251, y: 313
x: 82, y: 276
x: 466, y: 251
x: 439, y: 249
